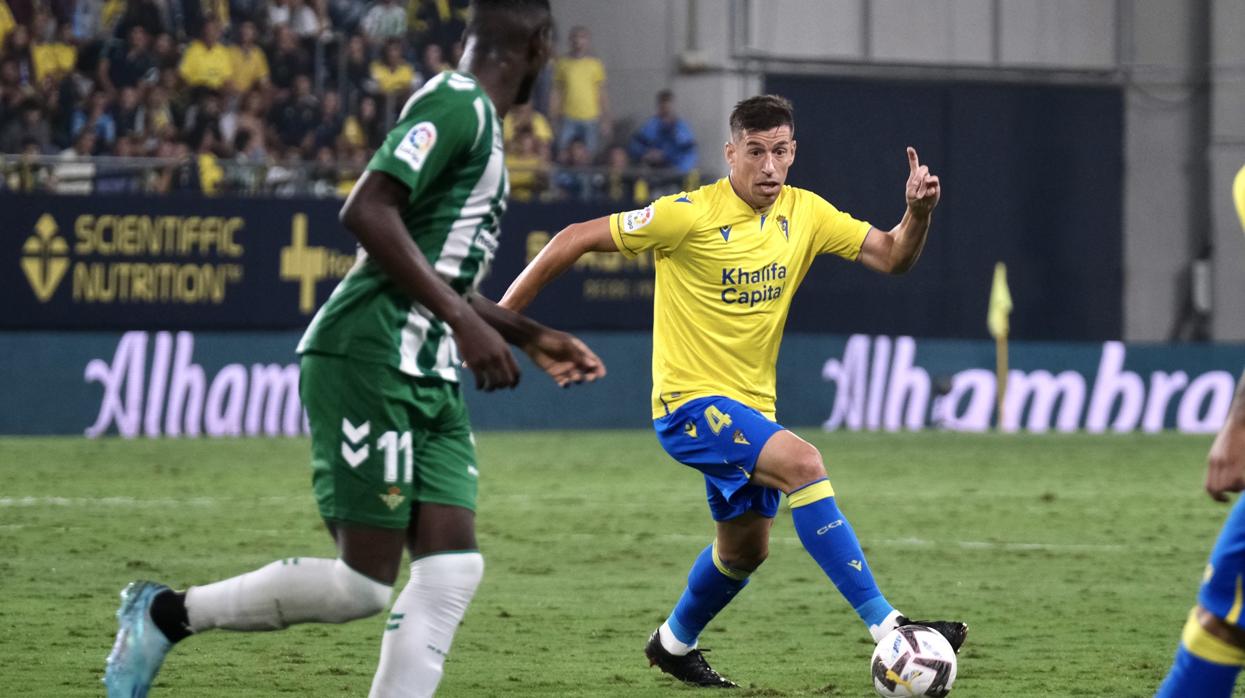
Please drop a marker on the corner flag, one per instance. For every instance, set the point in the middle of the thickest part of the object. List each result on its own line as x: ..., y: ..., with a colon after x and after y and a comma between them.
x: 998, y: 324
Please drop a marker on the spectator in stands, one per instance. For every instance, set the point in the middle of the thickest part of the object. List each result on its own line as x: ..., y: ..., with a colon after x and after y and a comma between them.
x: 157, y: 114
x: 74, y: 173
x: 128, y: 116
x: 250, y: 65
x: 165, y: 53
x: 288, y: 60
x: 128, y: 64
x: 623, y: 185
x: 524, y: 117
x: 433, y: 60
x: 27, y: 175
x: 580, y: 104
x: 17, y: 48
x: 7, y: 23
x: 55, y: 59
x: 28, y: 127
x: 95, y: 116
x: 204, y: 115
x: 528, y: 166
x: 297, y: 117
x: 331, y: 121
x: 384, y: 21
x: 578, y: 180
x: 207, y: 62
x: 297, y: 16
x: 366, y: 130
x: 664, y: 141
x: 142, y: 13
x: 250, y: 121
x: 393, y: 76
x: 323, y: 174
x: 211, y: 174
x: 358, y: 69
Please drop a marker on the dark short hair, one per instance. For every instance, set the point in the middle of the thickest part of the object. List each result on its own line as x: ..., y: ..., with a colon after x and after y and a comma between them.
x: 507, y: 21
x: 665, y: 96
x: 762, y: 113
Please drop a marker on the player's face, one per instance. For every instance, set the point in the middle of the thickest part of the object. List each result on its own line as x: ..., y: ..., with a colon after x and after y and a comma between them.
x: 759, y: 161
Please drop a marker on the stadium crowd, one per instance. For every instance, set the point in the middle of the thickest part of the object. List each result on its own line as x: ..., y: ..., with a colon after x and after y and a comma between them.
x: 287, y: 97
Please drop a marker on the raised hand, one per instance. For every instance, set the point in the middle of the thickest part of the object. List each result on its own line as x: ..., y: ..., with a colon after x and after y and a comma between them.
x: 922, y: 190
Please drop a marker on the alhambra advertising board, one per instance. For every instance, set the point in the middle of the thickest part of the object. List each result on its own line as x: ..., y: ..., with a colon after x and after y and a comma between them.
x: 144, y: 384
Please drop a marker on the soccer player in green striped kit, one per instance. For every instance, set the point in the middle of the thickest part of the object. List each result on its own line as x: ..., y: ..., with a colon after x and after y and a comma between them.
x: 393, y: 458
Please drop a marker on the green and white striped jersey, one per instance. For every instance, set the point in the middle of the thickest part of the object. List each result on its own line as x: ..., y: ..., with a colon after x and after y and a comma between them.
x: 447, y: 148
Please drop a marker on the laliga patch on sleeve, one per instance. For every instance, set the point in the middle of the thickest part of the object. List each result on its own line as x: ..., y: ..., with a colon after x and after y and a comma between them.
x: 634, y: 220
x: 416, y: 144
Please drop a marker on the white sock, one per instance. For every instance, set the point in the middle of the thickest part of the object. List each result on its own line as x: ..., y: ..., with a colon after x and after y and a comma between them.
x: 890, y: 623
x: 422, y: 624
x: 672, y: 644
x: 295, y: 590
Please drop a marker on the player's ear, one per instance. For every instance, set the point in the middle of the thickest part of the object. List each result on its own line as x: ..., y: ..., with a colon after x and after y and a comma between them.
x: 729, y: 152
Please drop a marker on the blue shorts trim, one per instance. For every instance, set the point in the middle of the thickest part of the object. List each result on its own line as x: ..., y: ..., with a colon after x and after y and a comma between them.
x: 1220, y: 592
x: 722, y: 438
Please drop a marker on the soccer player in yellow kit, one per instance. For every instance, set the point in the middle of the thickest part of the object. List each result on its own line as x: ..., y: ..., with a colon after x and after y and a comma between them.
x: 729, y: 256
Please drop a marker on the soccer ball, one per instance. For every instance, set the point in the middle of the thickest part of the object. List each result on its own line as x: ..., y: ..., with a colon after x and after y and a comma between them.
x: 913, y: 661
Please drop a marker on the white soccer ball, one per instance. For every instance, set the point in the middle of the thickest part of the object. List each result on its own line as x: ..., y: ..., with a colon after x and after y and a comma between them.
x: 913, y: 661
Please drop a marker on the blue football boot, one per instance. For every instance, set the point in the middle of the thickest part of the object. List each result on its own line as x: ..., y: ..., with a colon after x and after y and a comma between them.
x: 140, y: 647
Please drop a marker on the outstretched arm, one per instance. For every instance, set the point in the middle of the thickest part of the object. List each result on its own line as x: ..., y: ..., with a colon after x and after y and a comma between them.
x: 895, y: 251
x: 373, y: 215
x: 563, y: 250
x: 563, y: 356
x: 1225, y: 470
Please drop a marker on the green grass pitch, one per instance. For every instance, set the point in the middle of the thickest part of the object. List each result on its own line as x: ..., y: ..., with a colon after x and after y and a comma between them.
x: 1074, y: 558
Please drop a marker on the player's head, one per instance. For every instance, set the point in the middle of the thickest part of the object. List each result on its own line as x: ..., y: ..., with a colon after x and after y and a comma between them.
x: 520, y: 31
x: 761, y: 148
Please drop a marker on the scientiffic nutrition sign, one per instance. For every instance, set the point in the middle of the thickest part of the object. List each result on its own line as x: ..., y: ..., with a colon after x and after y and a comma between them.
x: 124, y: 262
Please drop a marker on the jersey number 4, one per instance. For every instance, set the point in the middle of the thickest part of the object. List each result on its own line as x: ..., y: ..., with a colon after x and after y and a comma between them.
x: 717, y: 419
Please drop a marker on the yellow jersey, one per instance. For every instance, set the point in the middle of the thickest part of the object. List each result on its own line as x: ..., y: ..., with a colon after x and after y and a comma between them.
x: 206, y: 67
x: 580, y: 81
x: 725, y: 278
x: 249, y: 67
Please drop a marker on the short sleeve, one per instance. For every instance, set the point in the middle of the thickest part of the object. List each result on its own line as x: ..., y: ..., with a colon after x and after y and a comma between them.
x: 598, y: 73
x: 837, y: 232
x: 437, y: 131
x: 660, y: 226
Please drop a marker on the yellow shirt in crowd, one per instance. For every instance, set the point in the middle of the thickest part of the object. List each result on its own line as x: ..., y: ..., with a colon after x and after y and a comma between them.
x: 580, y: 81
x: 249, y: 67
x: 397, y: 79
x: 206, y: 67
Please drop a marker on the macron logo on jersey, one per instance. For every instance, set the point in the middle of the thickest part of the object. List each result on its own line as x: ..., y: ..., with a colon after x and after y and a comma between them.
x: 416, y: 144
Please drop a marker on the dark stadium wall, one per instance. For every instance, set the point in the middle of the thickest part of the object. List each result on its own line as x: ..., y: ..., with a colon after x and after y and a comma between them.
x: 1031, y: 177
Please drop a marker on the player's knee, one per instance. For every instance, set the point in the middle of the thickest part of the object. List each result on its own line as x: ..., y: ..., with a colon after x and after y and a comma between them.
x: 355, y: 595
x: 750, y: 560
x: 805, y: 467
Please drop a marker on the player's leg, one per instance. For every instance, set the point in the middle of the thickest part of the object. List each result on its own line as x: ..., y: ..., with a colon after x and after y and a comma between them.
x: 794, y: 466
x: 446, y: 565
x: 719, y: 572
x: 1212, y: 645
x: 721, y: 438
x: 350, y: 412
